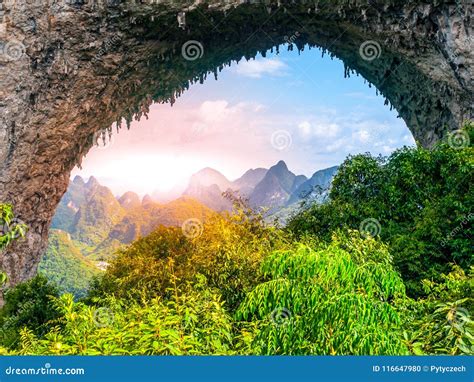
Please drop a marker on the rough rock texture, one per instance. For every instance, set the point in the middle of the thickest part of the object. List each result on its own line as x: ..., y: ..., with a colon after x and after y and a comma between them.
x: 87, y: 64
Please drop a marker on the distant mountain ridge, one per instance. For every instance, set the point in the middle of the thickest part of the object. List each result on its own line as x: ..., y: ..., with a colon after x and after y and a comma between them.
x: 129, y: 200
x: 91, y: 204
x: 275, y: 188
x: 272, y: 188
x: 64, y: 264
x: 247, y: 182
x: 97, y: 215
x: 208, y: 185
x: 316, y: 187
x: 99, y: 223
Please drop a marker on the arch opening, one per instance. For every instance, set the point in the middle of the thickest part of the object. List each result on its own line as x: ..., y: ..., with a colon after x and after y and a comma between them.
x: 114, y: 62
x: 233, y: 124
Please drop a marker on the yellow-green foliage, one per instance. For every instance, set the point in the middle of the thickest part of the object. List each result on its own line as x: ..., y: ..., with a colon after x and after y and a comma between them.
x: 10, y: 227
x: 190, y: 322
x: 228, y: 253
x: 339, y: 298
x: 442, y: 322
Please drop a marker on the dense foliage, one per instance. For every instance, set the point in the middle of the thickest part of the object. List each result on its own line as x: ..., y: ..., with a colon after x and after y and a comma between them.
x: 10, y: 229
x: 227, y: 253
x: 339, y: 298
x: 29, y: 304
x: 384, y: 267
x: 328, y: 301
x: 419, y: 201
x: 443, y: 320
x: 192, y: 322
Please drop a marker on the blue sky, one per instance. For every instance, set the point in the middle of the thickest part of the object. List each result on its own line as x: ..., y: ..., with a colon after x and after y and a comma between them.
x: 298, y: 108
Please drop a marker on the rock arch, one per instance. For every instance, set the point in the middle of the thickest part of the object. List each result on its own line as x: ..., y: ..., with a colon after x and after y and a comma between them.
x: 87, y: 64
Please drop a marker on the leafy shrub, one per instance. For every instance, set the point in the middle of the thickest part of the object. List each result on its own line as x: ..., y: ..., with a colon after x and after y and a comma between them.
x: 192, y: 321
x: 10, y: 229
x: 27, y: 305
x: 146, y: 267
x: 231, y: 249
x: 328, y: 301
x: 65, y: 266
x: 442, y: 322
x: 342, y: 297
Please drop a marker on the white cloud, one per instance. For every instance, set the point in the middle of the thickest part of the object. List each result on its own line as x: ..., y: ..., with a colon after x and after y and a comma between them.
x: 336, y: 146
x: 337, y: 135
x: 233, y: 137
x: 263, y: 66
x: 388, y: 149
x: 362, y: 135
x: 305, y: 129
x: 220, y: 113
x: 318, y: 130
x: 214, y: 111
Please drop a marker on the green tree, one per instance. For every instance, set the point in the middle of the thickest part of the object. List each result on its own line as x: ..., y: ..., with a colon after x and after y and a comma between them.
x: 441, y: 323
x: 65, y: 266
x: 226, y: 250
x: 10, y: 229
x: 328, y: 301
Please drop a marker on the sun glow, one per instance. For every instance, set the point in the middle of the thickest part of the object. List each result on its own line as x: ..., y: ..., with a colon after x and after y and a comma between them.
x: 148, y: 173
